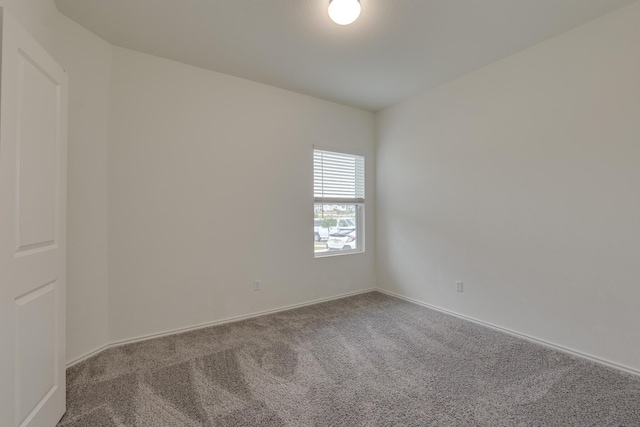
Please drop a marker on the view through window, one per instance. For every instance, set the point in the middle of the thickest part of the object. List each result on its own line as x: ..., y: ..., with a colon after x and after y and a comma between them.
x: 338, y: 215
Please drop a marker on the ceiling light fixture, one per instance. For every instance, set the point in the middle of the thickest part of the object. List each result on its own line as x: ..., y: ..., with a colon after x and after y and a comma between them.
x: 344, y: 12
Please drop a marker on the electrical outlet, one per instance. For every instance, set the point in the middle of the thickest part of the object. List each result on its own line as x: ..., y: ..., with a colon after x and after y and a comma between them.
x: 459, y: 286
x: 256, y: 285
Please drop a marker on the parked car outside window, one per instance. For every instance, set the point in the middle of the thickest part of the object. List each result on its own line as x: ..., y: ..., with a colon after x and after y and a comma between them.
x: 322, y: 233
x: 319, y: 232
x: 346, y: 223
x: 343, y: 240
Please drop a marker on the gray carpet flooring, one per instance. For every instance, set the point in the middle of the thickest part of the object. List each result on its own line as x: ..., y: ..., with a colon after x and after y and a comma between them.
x: 367, y: 360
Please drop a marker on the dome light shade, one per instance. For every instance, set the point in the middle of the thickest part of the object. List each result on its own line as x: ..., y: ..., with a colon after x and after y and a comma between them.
x: 344, y: 12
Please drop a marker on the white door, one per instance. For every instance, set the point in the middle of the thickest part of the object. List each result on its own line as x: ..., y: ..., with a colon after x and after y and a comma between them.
x: 33, y: 152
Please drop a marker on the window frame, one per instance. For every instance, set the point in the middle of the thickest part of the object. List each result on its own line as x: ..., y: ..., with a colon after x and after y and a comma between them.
x: 359, y: 203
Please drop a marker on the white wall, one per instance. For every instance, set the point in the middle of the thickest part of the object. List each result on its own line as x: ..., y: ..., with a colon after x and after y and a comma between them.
x: 210, y: 187
x: 87, y: 60
x: 521, y: 179
x: 38, y: 17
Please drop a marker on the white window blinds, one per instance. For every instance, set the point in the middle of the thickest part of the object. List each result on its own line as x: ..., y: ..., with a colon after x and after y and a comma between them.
x: 338, y: 177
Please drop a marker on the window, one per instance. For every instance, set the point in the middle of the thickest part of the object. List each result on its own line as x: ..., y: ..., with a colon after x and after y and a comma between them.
x: 338, y: 191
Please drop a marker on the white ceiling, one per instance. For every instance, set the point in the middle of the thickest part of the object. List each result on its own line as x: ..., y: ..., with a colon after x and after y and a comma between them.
x: 396, y: 49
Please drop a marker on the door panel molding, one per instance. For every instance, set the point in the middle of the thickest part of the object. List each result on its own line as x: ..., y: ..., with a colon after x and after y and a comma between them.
x: 33, y: 164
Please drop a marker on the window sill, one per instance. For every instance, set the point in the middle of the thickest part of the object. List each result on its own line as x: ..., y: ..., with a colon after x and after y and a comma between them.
x: 330, y: 254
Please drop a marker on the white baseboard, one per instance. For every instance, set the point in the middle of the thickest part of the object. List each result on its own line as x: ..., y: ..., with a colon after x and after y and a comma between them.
x: 384, y: 291
x: 206, y: 325
x: 573, y: 352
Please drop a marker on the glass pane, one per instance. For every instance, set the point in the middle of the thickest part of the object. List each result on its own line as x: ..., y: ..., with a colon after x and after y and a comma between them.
x: 337, y: 228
